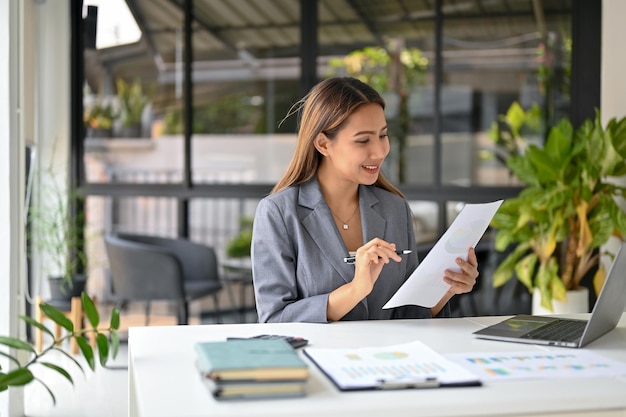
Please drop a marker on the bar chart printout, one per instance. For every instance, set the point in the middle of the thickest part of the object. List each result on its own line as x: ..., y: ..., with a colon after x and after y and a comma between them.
x: 491, y: 366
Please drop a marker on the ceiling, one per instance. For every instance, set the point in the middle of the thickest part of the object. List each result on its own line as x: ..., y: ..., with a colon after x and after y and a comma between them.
x: 247, y: 39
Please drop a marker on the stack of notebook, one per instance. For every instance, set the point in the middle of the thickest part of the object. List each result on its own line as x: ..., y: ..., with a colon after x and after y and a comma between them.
x: 245, y: 369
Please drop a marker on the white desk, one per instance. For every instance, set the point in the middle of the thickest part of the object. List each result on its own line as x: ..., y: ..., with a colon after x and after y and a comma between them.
x: 164, y: 382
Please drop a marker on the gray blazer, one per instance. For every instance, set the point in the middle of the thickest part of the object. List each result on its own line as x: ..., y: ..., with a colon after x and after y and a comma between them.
x: 297, y: 255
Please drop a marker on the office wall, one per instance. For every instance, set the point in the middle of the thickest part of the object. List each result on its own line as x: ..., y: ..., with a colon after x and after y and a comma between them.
x: 50, y: 113
x: 613, y: 83
x: 11, y: 402
x: 34, y: 68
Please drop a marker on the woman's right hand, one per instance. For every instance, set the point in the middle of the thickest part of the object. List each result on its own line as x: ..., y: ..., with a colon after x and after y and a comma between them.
x: 369, y: 261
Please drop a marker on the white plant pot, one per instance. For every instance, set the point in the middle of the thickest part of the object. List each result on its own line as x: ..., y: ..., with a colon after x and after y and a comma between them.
x: 577, y: 301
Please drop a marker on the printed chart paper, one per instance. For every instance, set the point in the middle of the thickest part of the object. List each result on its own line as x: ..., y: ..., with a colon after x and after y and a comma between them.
x: 425, y: 287
x: 365, y: 368
x: 503, y: 366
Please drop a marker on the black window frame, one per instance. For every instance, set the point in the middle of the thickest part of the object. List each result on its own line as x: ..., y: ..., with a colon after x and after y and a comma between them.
x: 585, y: 99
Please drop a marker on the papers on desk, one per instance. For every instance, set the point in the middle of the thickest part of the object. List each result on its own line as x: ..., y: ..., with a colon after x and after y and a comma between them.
x: 410, y: 365
x: 534, y: 364
x: 425, y: 287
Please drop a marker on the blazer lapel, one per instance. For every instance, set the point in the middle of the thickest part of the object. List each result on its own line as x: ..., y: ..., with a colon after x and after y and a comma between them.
x: 319, y: 224
x: 374, y: 223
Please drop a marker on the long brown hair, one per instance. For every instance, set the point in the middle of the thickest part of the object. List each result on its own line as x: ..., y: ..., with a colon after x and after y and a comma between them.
x: 325, y: 109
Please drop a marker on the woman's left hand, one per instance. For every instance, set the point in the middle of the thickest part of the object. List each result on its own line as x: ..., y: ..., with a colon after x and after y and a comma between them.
x: 464, y: 281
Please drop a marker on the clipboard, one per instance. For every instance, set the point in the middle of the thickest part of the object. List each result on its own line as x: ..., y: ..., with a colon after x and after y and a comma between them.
x: 405, y: 366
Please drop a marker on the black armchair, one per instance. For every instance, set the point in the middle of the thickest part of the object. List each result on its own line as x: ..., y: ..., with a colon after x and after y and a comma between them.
x: 147, y: 268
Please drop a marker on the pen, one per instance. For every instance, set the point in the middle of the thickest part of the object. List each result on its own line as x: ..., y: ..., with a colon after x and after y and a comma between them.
x: 430, y: 382
x: 352, y: 259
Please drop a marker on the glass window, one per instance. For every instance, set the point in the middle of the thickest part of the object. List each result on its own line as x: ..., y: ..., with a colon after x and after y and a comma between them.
x: 496, y: 54
x: 116, y: 24
x: 128, y: 88
x: 246, y: 76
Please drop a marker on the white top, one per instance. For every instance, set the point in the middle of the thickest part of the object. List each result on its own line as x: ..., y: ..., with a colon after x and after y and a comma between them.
x: 163, y: 380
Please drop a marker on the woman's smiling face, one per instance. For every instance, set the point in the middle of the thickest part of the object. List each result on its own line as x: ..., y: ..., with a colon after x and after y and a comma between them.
x: 357, y: 152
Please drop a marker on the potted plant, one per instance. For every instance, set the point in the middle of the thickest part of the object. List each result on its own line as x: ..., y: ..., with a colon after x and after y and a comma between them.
x: 132, y: 102
x: 99, y: 117
x: 515, y: 131
x: 557, y: 225
x: 58, y: 237
x: 107, y: 344
x: 239, y: 246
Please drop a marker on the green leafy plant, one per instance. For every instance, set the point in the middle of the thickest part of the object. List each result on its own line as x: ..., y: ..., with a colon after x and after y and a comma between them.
x: 132, y: 101
x: 232, y: 113
x: 511, y: 132
x: 99, y: 115
x: 107, y: 346
x: 372, y: 65
x: 239, y: 246
x: 567, y: 210
x: 54, y: 232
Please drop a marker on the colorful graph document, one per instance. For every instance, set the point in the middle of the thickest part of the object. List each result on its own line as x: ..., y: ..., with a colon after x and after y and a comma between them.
x: 502, y: 366
x: 410, y: 365
x: 425, y: 287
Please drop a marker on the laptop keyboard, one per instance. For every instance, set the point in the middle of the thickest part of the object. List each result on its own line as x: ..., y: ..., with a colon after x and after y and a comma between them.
x: 565, y: 331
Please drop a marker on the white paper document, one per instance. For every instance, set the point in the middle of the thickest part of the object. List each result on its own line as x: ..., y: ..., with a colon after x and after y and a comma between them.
x: 399, y: 365
x: 425, y: 287
x: 533, y: 364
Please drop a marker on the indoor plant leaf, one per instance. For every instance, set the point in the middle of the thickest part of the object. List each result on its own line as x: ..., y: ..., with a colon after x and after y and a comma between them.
x: 618, y: 216
x: 545, y: 168
x: 115, y: 344
x: 559, y: 143
x: 10, y: 357
x: 525, y: 270
x: 558, y: 290
x: 103, y: 348
x: 618, y: 136
x: 57, y: 316
x: 87, y: 351
x: 59, y: 370
x: 601, y: 223
x: 54, y: 399
x: 115, y: 319
x: 505, y: 270
x: 523, y: 169
x: 18, y: 377
x: 16, y: 344
x: 71, y: 358
x: 515, y: 118
x: 90, y: 310
x: 36, y: 324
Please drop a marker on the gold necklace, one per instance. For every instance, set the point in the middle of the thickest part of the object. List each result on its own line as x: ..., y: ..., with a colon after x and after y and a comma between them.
x: 344, y: 224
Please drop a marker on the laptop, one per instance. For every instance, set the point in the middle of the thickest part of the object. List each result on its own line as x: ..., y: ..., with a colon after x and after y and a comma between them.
x: 555, y: 331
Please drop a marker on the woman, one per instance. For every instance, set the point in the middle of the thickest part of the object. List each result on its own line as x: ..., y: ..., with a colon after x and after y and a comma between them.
x: 332, y: 199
